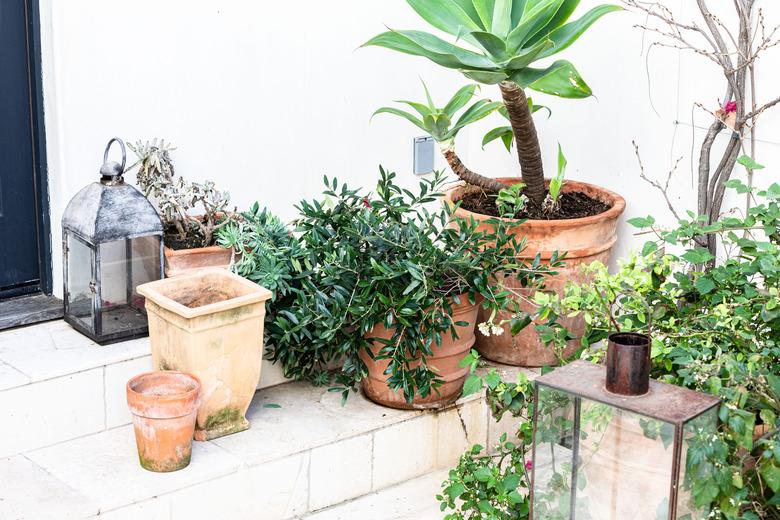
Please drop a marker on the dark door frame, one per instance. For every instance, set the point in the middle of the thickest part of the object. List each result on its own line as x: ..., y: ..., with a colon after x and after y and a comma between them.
x: 38, y: 137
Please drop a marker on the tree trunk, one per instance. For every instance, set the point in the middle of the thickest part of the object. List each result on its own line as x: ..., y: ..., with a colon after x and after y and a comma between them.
x: 460, y: 169
x: 526, y: 141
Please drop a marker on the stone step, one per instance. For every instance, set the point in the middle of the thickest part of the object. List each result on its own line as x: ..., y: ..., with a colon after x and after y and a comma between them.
x: 56, y: 384
x: 412, y: 500
x: 307, y: 455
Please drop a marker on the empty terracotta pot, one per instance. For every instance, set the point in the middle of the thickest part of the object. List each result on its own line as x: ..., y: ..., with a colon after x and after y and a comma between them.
x: 445, y: 362
x: 584, y: 240
x: 209, y: 323
x: 164, y: 406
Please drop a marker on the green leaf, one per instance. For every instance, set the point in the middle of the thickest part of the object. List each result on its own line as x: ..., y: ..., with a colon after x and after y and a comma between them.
x: 511, y: 482
x: 459, y: 100
x: 641, y: 223
x: 532, y: 22
x: 455, y: 490
x: 704, y: 285
x: 475, y: 112
x: 401, y: 113
x: 418, y: 107
x: 483, y: 474
x: 565, y: 35
x: 491, y: 43
x: 484, y: 9
x: 487, y: 77
x: 445, y: 15
x: 527, y: 57
x: 749, y: 163
x: 502, y: 132
x: 562, y: 79
x: 771, y: 474
x: 698, y: 255
x: 472, y: 385
x: 502, y: 17
x: 518, y: 7
x: 418, y: 43
x: 556, y: 183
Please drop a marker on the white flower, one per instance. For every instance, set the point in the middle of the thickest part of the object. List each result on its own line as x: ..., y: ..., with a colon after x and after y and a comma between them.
x: 484, y: 328
x: 497, y: 330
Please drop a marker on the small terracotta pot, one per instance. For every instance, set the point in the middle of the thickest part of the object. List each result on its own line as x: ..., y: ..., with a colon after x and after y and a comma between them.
x: 185, y: 261
x: 445, y: 360
x: 164, y: 407
x: 585, y: 240
x: 210, y: 323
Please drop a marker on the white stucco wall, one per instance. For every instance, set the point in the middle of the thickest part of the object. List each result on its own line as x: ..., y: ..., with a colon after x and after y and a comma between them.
x: 265, y: 98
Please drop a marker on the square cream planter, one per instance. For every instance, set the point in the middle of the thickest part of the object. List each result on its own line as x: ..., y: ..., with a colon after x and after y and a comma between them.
x: 210, y: 324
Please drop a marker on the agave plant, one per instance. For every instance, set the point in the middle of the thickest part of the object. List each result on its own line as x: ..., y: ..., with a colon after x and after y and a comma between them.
x: 496, y: 42
x: 438, y: 122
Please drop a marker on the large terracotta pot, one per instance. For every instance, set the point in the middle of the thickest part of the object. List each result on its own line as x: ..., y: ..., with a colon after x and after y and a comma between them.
x: 584, y: 240
x: 183, y: 261
x: 210, y: 324
x: 164, y: 406
x: 445, y: 362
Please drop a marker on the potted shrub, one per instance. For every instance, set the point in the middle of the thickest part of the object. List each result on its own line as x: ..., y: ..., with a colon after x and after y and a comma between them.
x: 191, y: 212
x: 209, y: 323
x: 496, y: 43
x: 388, y: 291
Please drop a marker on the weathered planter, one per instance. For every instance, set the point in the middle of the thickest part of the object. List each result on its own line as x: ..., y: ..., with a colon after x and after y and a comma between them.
x: 184, y: 261
x: 585, y: 240
x: 210, y: 323
x: 445, y: 360
x: 164, y: 406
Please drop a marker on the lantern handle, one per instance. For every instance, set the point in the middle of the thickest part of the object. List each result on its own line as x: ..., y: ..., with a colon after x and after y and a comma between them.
x: 124, y: 152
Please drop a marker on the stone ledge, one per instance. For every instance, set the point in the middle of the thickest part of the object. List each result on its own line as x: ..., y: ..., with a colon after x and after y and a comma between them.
x: 308, y: 455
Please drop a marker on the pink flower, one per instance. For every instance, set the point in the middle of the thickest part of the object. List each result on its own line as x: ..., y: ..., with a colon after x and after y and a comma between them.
x: 366, y: 203
x: 529, y: 465
x: 730, y: 107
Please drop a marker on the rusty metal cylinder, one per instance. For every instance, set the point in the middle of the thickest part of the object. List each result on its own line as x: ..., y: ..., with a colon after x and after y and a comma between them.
x: 628, y: 363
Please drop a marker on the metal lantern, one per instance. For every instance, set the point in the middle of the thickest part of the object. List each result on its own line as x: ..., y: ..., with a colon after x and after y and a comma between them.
x: 112, y: 242
x: 611, y: 444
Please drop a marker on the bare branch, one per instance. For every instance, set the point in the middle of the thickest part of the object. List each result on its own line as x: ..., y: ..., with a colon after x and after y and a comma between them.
x: 657, y: 185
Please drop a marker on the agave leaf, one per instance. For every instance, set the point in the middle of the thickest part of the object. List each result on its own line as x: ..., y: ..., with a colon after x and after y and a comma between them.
x: 406, y: 115
x: 525, y: 58
x: 398, y: 41
x: 446, y: 15
x: 532, y: 22
x: 488, y: 77
x: 502, y: 132
x: 561, y: 16
x: 518, y: 6
x: 559, y: 79
x: 563, y: 81
x: 477, y: 111
x: 459, y: 100
x: 491, y: 43
x: 502, y: 18
x: 567, y: 34
x: 484, y: 9
x: 435, y: 45
x: 419, y: 107
x: 468, y: 8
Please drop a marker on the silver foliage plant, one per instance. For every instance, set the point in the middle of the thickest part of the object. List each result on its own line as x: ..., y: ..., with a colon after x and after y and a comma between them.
x: 189, y: 207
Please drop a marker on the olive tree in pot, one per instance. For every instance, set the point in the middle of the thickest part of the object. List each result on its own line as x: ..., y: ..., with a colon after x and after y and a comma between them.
x: 192, y: 212
x: 496, y: 43
x: 382, y: 288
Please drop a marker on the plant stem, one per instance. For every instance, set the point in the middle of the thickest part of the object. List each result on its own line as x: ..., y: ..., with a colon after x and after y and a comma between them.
x: 460, y: 169
x: 526, y: 141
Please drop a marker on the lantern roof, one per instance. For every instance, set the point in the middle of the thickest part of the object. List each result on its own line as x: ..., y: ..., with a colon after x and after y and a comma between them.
x: 104, y: 212
x: 665, y: 402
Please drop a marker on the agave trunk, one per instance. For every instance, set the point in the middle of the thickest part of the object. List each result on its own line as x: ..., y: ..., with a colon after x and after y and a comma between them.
x: 475, y: 179
x: 526, y: 141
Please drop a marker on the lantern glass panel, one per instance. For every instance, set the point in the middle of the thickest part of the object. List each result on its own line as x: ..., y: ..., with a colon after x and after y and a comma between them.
x: 79, y: 281
x: 125, y: 264
x: 697, y: 435
x: 621, y: 466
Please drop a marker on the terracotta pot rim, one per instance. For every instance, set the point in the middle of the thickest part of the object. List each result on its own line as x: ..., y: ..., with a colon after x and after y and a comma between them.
x: 617, y: 201
x: 139, y: 403
x: 194, y: 250
x: 153, y: 291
